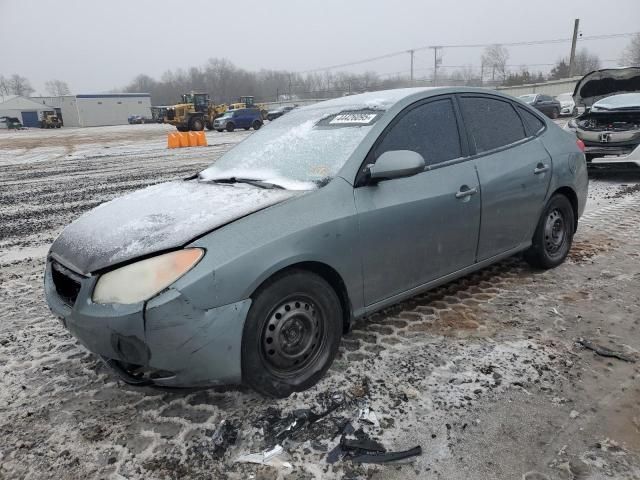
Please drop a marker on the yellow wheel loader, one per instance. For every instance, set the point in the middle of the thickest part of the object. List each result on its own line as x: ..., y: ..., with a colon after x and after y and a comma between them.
x: 194, y: 113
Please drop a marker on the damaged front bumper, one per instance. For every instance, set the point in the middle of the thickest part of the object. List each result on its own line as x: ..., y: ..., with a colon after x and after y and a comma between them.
x: 613, y: 157
x: 167, y: 341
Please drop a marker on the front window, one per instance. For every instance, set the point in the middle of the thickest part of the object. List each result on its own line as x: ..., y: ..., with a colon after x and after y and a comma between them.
x: 528, y: 98
x: 304, y: 148
x: 565, y: 97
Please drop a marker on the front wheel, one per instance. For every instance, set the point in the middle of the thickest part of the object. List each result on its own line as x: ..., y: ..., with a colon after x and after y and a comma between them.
x: 256, y: 125
x: 197, y: 125
x: 230, y: 127
x: 554, y: 234
x: 291, y: 334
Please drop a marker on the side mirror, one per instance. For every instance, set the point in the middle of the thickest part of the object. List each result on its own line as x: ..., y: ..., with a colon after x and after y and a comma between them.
x: 396, y: 164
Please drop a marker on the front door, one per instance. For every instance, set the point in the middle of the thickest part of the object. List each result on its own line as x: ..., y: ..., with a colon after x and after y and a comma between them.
x: 514, y: 170
x: 417, y: 229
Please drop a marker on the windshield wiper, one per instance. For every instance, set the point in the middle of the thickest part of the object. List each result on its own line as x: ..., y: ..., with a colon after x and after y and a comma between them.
x: 250, y: 181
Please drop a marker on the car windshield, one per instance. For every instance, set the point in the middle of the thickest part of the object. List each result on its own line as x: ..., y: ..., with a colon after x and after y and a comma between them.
x: 302, y: 150
x: 528, y: 98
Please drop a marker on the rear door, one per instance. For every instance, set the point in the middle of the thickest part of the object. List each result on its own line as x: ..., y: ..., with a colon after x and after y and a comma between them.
x: 417, y: 229
x: 514, y: 170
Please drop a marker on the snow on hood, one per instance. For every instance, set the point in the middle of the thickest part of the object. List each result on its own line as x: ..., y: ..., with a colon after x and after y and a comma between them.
x: 616, y: 102
x: 604, y: 83
x: 154, y: 219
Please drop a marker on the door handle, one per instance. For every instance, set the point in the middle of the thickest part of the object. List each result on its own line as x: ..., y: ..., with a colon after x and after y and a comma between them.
x: 541, y: 169
x: 466, y: 192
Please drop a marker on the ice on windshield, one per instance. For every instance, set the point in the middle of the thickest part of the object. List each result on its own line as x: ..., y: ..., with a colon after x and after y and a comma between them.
x: 298, y: 147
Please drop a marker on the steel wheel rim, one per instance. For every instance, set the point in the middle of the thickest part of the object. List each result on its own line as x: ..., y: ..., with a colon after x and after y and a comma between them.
x: 293, y: 335
x: 555, y: 232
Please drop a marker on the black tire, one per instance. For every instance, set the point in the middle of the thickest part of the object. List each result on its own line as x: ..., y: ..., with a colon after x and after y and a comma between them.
x: 219, y: 130
x: 256, y: 125
x: 554, y: 234
x: 555, y: 113
x: 182, y: 129
x: 247, y: 128
x: 196, y: 124
x: 209, y: 125
x: 230, y: 127
x: 291, y: 334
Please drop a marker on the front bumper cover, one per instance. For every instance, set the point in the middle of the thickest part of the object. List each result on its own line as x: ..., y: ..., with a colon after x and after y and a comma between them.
x: 176, y: 343
x: 612, y: 157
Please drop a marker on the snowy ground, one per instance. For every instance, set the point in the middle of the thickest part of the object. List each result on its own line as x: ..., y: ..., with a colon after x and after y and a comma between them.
x: 484, y: 373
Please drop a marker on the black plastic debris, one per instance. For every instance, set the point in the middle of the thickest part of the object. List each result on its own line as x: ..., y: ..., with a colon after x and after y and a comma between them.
x: 362, y: 445
x: 222, y: 437
x: 388, y: 456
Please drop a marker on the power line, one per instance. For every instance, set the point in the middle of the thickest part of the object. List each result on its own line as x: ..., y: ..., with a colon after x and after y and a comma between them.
x: 471, y: 45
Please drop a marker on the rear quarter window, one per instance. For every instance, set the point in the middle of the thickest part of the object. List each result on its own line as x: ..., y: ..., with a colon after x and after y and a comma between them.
x: 533, y: 123
x: 491, y: 123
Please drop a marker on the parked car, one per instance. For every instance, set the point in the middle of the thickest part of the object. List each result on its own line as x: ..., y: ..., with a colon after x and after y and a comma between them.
x: 567, y: 105
x: 240, y: 118
x: 545, y: 103
x: 251, y: 270
x: 610, y: 126
x: 278, y: 112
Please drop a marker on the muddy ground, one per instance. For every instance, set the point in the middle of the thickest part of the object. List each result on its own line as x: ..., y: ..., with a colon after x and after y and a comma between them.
x: 486, y: 374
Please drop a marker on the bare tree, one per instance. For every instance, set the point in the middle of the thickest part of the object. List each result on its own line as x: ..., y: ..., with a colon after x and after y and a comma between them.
x: 585, y: 62
x: 57, y: 88
x: 631, y: 54
x: 495, y: 57
x: 4, y: 86
x: 19, y: 85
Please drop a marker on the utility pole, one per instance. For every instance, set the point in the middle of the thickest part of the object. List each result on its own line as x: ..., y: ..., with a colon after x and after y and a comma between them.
x: 572, y: 58
x: 411, y: 52
x: 435, y: 65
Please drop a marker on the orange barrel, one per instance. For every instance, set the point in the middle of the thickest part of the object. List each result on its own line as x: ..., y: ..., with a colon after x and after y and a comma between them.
x: 193, y: 139
x: 173, y: 140
x: 202, y: 139
x: 184, y: 139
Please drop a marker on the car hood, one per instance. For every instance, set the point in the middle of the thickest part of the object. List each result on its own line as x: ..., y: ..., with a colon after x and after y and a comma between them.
x: 624, y: 101
x: 157, y: 218
x: 604, y: 83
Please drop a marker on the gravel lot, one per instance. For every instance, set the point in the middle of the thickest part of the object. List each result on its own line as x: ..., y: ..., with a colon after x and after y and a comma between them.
x: 485, y: 373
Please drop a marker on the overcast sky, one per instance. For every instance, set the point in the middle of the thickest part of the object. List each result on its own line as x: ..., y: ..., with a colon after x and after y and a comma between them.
x: 99, y: 45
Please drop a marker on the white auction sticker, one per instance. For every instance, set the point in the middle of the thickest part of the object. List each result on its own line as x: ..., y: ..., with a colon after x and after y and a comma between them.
x: 360, y: 118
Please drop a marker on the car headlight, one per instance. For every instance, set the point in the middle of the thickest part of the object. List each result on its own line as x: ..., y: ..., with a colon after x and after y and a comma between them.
x: 142, y: 280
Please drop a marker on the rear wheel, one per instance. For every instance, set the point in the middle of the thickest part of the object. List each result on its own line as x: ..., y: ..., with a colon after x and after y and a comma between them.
x: 554, y: 234
x: 256, y: 125
x: 230, y: 127
x: 291, y: 334
x: 555, y: 113
x: 219, y: 130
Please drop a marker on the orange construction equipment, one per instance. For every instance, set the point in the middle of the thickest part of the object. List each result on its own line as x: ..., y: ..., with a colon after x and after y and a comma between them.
x: 202, y: 139
x: 173, y: 140
x: 186, y: 139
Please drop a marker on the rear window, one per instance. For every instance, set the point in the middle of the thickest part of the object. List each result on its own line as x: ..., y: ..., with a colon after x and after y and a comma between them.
x: 492, y: 123
x: 533, y: 123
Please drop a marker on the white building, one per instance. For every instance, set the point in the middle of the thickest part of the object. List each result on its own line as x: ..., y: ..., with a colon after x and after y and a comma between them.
x: 98, y: 109
x: 28, y: 111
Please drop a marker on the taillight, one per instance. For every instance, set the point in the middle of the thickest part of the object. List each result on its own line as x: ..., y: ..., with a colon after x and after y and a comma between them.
x: 580, y: 144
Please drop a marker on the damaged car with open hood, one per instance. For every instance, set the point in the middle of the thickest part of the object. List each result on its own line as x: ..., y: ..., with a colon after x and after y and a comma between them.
x: 610, y: 125
x: 250, y: 271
